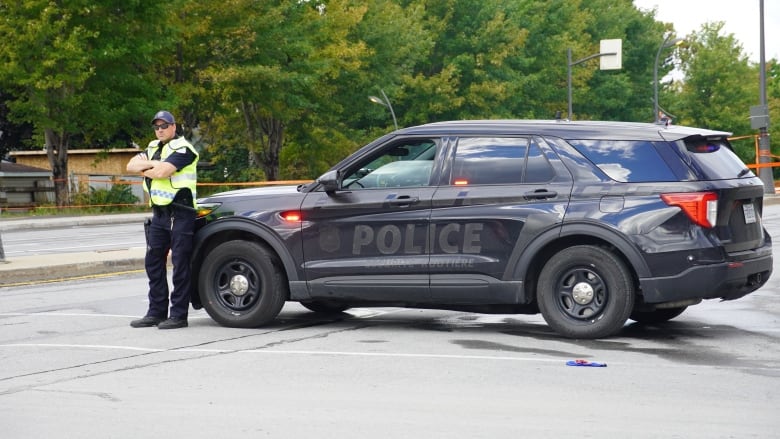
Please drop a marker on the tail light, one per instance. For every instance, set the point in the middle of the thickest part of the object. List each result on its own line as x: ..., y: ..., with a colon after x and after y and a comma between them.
x: 701, y: 207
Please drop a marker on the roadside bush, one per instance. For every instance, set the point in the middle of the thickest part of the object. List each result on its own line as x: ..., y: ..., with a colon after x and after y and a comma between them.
x: 118, y: 197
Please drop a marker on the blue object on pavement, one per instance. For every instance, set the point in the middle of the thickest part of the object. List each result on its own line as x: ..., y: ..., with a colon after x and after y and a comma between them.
x: 585, y: 363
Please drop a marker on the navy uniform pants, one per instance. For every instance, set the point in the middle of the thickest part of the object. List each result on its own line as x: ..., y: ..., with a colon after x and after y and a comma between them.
x: 171, y: 229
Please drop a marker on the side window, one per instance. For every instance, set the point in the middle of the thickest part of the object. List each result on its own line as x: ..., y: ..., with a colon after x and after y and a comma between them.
x: 402, y: 164
x: 499, y: 161
x: 537, y: 169
x: 626, y: 161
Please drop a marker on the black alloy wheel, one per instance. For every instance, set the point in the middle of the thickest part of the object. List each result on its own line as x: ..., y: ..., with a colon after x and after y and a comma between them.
x: 242, y: 285
x: 585, y: 292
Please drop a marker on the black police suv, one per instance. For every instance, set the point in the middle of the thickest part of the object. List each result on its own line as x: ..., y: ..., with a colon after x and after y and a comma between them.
x: 589, y: 223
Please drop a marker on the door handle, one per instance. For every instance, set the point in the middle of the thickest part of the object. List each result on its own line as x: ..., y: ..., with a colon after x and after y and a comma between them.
x: 540, y: 194
x: 403, y: 201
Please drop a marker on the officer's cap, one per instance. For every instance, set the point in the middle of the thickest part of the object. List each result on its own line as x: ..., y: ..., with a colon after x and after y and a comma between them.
x: 164, y: 116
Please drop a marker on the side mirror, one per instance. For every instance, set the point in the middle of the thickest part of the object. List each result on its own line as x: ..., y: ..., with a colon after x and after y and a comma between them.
x: 330, y: 181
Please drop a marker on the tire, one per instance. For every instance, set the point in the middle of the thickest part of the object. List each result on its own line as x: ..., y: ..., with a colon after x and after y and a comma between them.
x: 658, y: 315
x: 242, y: 285
x: 585, y: 292
x: 325, y: 307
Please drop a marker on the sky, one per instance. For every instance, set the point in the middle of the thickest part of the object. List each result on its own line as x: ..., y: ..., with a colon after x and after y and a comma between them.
x: 741, y: 17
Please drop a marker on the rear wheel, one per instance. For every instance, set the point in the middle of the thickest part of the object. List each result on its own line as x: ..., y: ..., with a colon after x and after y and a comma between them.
x: 585, y: 292
x: 657, y: 315
x: 241, y: 284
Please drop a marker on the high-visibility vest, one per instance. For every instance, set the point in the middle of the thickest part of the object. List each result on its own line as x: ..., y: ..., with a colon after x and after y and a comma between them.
x: 163, y: 190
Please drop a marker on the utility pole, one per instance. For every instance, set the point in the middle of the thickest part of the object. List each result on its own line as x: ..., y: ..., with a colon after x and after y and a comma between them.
x: 2, y: 252
x: 759, y: 117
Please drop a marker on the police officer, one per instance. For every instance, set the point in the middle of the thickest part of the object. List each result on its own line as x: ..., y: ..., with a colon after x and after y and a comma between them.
x: 169, y: 169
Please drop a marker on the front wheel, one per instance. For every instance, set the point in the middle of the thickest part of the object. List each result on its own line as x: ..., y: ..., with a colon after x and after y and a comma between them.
x: 241, y: 284
x: 585, y: 292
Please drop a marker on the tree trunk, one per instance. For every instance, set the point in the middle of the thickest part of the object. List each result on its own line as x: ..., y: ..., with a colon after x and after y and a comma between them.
x: 57, y: 152
x: 274, y: 131
x: 266, y: 134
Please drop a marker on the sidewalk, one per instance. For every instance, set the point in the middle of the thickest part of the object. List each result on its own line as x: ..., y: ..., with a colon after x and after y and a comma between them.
x: 37, y: 268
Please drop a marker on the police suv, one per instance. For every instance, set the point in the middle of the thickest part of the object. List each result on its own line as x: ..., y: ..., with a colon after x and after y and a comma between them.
x: 589, y: 223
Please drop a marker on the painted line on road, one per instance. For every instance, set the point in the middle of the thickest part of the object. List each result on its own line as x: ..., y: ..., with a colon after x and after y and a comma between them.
x: 279, y: 352
x: 362, y: 354
x: 66, y: 314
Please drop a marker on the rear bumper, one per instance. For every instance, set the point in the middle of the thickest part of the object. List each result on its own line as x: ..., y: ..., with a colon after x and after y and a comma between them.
x: 726, y: 280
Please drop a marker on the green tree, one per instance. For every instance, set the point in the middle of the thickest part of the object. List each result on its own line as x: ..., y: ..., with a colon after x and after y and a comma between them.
x: 625, y: 94
x: 274, y: 63
x: 719, y: 84
x: 79, y: 69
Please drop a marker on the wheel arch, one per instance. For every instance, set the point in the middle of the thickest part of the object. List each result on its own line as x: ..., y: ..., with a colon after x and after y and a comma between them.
x: 237, y: 228
x: 540, y: 250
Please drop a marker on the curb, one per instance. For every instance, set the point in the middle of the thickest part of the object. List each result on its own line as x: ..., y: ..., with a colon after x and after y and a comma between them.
x: 68, y: 271
x: 70, y: 221
x: 32, y: 269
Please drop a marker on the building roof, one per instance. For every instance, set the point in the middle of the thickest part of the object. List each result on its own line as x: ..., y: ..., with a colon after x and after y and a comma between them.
x: 8, y: 169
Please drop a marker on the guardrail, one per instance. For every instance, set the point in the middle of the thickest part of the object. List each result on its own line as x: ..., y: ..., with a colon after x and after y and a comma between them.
x: 759, y: 154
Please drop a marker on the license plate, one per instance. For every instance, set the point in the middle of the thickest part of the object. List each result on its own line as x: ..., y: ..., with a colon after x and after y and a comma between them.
x: 750, y: 213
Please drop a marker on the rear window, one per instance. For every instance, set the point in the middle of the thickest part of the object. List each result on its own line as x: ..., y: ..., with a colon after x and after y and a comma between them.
x: 713, y: 159
x: 627, y: 161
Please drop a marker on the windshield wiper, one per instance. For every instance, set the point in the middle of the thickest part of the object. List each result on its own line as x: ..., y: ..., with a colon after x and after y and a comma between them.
x: 743, y: 172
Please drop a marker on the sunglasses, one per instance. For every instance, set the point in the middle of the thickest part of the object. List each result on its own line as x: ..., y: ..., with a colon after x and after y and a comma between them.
x: 163, y: 126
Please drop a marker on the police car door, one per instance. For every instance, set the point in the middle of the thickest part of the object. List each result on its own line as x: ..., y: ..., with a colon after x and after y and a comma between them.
x: 496, y: 194
x: 366, y: 241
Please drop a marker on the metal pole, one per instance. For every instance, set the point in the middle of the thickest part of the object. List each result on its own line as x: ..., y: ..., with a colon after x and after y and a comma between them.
x: 655, y: 79
x: 2, y: 252
x: 385, y: 102
x: 764, y: 149
x: 569, y: 63
x: 390, y: 106
x: 568, y: 78
x: 664, y: 45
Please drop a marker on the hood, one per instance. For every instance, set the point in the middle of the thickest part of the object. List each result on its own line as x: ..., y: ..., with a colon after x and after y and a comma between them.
x: 253, y: 192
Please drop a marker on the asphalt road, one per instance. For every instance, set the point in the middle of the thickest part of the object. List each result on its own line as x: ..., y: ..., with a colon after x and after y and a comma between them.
x: 72, y: 238
x: 72, y: 367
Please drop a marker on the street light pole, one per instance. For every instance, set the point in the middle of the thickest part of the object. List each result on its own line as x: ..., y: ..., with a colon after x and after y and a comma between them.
x: 386, y: 103
x: 667, y: 43
x: 571, y: 64
x: 2, y: 252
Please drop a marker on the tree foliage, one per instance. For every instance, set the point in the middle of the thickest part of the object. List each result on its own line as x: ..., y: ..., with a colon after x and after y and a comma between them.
x: 279, y: 89
x: 78, y: 70
x: 716, y: 92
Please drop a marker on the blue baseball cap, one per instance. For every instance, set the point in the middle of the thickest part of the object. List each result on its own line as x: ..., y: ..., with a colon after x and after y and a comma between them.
x: 164, y: 116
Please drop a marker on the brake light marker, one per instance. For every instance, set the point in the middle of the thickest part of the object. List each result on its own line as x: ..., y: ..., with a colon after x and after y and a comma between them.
x: 700, y: 207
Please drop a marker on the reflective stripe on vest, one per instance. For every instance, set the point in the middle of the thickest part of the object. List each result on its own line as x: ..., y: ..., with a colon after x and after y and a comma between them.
x: 163, y: 190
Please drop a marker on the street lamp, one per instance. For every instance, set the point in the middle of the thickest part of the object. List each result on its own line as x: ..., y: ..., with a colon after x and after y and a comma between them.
x: 386, y: 103
x: 666, y: 44
x: 611, y: 59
